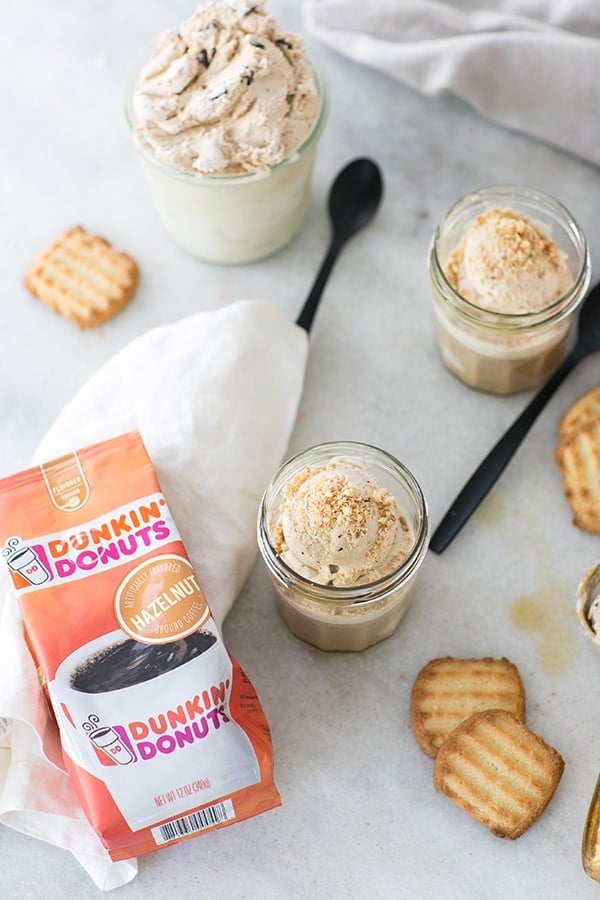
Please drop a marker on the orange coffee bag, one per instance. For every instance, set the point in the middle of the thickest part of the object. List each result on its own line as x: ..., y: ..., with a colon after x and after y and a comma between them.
x: 162, y: 733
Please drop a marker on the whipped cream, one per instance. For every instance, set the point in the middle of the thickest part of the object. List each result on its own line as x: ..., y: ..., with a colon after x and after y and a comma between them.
x: 338, y: 526
x: 229, y: 93
x: 506, y: 264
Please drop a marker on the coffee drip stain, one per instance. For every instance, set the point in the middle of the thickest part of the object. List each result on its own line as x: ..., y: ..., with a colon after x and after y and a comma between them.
x: 547, y: 611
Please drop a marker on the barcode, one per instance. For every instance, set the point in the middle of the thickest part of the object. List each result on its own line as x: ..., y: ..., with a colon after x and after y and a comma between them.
x: 197, y: 821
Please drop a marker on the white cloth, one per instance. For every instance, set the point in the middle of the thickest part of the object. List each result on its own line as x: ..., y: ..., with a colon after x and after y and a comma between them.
x: 531, y: 65
x: 215, y: 398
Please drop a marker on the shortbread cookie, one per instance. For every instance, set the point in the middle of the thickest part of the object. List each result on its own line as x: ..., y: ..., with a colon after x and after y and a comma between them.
x: 578, y: 460
x: 583, y: 411
x: 447, y: 691
x: 83, y: 278
x: 499, y: 771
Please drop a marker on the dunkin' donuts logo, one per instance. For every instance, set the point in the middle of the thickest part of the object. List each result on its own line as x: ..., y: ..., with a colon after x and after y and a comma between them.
x: 162, y: 734
x: 126, y: 533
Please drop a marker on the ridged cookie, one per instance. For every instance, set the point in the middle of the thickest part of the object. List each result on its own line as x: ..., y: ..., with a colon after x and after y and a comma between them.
x: 583, y: 411
x: 83, y: 278
x: 578, y: 460
x: 447, y: 691
x: 499, y: 771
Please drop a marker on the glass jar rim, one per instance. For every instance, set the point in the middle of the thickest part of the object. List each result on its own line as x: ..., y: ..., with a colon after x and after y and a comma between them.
x: 496, y: 320
x: 219, y: 180
x: 336, y: 594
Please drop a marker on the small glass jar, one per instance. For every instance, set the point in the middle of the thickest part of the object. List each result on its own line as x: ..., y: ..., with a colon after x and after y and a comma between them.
x: 231, y: 219
x: 506, y: 352
x: 353, y: 617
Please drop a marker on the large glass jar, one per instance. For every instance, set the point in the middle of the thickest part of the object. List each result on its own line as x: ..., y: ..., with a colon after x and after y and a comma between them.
x: 355, y: 616
x: 496, y: 351
x: 231, y: 219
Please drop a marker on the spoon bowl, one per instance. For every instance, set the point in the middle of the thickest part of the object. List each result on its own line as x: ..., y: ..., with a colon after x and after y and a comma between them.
x: 354, y: 198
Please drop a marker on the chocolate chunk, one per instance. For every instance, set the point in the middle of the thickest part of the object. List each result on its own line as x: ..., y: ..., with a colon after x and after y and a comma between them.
x: 203, y: 58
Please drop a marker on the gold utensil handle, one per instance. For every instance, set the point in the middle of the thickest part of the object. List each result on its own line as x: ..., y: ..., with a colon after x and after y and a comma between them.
x: 590, y: 845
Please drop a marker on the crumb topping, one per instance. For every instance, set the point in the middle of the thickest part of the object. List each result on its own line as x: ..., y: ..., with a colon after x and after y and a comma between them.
x: 506, y: 263
x: 519, y: 247
x: 338, y: 526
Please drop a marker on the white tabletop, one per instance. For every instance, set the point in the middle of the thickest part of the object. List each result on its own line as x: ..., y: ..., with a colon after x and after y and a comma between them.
x: 360, y: 817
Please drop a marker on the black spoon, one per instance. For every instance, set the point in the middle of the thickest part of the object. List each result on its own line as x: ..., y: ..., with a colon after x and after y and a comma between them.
x: 354, y: 198
x: 486, y: 475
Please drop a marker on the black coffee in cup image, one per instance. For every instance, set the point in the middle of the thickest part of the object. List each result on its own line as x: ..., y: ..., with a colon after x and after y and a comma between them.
x: 128, y: 662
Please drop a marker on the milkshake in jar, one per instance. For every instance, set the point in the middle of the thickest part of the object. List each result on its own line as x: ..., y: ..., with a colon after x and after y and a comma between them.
x: 226, y: 114
x: 343, y: 529
x: 509, y: 267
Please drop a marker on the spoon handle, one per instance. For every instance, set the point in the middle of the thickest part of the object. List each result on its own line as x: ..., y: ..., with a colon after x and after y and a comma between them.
x: 590, y: 844
x: 488, y: 472
x: 308, y: 311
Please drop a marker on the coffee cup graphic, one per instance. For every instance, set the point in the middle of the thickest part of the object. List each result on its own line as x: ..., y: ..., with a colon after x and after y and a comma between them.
x: 25, y: 561
x: 109, y: 741
x: 142, y: 706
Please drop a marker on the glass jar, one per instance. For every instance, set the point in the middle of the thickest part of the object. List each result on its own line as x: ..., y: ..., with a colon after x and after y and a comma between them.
x: 506, y: 352
x: 231, y: 219
x: 346, y: 617
x: 588, y: 604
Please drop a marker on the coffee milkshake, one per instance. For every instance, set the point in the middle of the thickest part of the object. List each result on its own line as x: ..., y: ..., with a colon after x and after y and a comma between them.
x: 343, y: 530
x: 509, y: 267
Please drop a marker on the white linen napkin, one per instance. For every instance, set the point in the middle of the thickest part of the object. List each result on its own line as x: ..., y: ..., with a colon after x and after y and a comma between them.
x: 215, y: 398
x: 530, y: 65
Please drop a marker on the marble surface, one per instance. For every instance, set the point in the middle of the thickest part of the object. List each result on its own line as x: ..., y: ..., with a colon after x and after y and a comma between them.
x: 360, y: 817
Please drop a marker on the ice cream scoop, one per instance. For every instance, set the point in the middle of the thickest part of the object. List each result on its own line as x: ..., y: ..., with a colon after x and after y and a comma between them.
x: 507, y: 264
x: 229, y: 92
x: 338, y: 526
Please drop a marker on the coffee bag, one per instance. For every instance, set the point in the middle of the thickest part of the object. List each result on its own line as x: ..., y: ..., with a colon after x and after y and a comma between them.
x: 162, y: 733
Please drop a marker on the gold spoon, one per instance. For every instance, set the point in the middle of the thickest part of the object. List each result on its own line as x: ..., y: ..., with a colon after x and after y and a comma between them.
x: 590, y: 845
